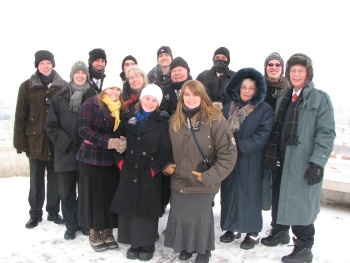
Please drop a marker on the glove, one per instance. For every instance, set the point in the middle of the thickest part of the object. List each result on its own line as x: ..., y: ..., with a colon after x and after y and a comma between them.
x: 120, y: 164
x: 313, y: 174
x: 164, y: 114
x: 113, y: 143
x: 122, y: 145
x: 152, y: 172
x: 169, y: 169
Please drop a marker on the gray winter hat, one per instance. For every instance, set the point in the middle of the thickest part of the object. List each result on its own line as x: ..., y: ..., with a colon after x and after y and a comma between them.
x: 79, y: 65
x: 276, y: 56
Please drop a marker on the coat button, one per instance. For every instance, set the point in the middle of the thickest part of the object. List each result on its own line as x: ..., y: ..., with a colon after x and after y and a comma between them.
x: 131, y: 152
x: 138, y: 138
x: 135, y: 165
x: 180, y: 191
x: 144, y: 153
x: 135, y: 180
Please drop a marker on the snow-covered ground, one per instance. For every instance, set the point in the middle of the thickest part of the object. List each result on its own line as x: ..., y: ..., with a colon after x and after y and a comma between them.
x: 45, y: 243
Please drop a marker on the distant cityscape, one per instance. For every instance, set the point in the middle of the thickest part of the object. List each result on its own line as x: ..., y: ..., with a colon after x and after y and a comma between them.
x: 341, y: 145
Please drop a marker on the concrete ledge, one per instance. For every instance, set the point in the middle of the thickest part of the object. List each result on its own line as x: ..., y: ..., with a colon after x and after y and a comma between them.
x: 335, y: 198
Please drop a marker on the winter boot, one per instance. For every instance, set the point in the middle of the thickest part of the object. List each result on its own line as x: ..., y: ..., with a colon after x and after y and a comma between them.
x: 276, y: 236
x: 229, y: 236
x: 96, y: 242
x: 146, y: 253
x: 108, y: 238
x: 250, y: 240
x: 203, y: 258
x: 300, y: 254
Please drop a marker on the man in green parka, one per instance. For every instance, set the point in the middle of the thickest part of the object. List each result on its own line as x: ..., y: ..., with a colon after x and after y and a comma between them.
x: 298, y: 150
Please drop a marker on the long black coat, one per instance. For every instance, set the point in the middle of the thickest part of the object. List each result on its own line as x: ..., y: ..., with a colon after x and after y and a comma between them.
x: 138, y: 193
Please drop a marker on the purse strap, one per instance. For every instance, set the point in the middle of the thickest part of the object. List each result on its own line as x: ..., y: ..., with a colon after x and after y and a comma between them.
x: 195, y: 140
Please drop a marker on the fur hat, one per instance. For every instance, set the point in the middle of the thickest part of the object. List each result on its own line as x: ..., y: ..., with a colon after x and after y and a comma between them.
x: 223, y: 51
x: 44, y: 55
x: 179, y: 62
x: 152, y: 90
x: 234, y: 85
x: 275, y: 56
x: 299, y: 59
x: 129, y: 57
x: 79, y: 65
x: 111, y: 82
x: 165, y: 49
x: 96, y: 54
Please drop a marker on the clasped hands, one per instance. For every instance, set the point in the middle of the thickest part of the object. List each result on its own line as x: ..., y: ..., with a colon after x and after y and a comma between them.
x: 170, y: 168
x: 117, y: 143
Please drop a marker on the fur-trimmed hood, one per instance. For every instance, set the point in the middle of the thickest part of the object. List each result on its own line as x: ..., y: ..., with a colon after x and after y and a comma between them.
x: 299, y: 59
x: 232, y: 88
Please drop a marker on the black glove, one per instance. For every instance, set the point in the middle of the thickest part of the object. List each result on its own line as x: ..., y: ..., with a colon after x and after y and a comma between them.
x: 164, y: 114
x: 314, y: 174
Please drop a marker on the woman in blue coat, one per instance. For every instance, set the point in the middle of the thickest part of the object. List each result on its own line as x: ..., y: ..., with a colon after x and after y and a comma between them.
x: 251, y: 120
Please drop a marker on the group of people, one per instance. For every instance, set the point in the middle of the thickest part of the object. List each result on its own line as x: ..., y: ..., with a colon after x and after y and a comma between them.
x: 117, y: 153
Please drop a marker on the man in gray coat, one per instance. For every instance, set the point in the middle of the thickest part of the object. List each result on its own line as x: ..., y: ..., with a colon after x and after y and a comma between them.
x: 298, y: 150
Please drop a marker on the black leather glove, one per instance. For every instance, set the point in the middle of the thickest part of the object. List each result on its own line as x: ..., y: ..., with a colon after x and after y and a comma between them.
x: 164, y: 114
x: 314, y: 174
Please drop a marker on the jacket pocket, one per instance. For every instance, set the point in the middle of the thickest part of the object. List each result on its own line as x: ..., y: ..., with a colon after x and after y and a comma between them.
x: 33, y: 137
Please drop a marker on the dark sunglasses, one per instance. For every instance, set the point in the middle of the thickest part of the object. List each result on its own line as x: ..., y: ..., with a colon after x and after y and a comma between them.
x: 274, y: 64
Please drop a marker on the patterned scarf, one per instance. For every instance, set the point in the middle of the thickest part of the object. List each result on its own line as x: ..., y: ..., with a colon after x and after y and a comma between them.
x: 290, y: 134
x: 114, y: 107
x: 238, y: 114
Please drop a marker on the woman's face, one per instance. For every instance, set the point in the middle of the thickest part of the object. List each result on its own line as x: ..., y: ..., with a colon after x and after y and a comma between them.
x: 149, y: 103
x: 45, y: 67
x: 191, y: 100
x: 113, y: 93
x: 135, y: 80
x: 247, y: 90
x: 80, y: 77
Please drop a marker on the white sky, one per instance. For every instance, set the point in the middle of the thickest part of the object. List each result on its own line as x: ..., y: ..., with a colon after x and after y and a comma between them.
x: 251, y: 30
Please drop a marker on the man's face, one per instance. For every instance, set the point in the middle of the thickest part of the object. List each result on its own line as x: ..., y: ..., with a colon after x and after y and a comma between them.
x: 297, y: 76
x: 45, y: 67
x: 220, y: 56
x: 274, y: 70
x: 164, y: 60
x: 127, y: 64
x: 99, y: 64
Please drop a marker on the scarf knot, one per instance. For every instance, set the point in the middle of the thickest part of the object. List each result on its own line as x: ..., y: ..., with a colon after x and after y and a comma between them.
x: 114, y: 108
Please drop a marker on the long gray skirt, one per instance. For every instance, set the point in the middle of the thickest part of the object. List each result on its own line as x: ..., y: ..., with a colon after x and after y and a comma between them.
x: 190, y: 224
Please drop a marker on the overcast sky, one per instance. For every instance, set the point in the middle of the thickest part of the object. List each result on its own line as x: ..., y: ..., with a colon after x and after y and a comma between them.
x: 251, y: 30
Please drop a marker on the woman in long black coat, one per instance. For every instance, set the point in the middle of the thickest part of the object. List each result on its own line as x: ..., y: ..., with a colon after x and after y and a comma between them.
x: 251, y: 120
x: 138, y: 198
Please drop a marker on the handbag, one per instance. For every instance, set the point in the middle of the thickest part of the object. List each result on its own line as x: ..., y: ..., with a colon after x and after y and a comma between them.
x: 206, y: 164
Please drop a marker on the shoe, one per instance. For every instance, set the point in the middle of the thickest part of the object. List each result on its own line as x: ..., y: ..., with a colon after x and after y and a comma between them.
x: 57, y: 219
x: 84, y: 230
x: 69, y: 235
x: 96, y: 242
x: 300, y: 253
x: 33, y: 222
x: 250, y: 240
x: 132, y: 253
x: 184, y: 255
x: 203, y: 258
x: 157, y: 237
x: 276, y: 236
x: 229, y: 236
x: 108, y: 238
x: 146, y: 253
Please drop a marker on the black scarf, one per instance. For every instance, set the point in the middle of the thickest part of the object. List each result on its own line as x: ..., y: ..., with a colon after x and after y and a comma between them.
x: 290, y: 134
x: 96, y: 74
x: 46, y: 80
x: 177, y: 85
x: 190, y: 112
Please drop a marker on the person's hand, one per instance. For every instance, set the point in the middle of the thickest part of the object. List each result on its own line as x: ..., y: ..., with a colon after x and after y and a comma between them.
x: 169, y: 169
x: 122, y: 145
x: 198, y: 175
x: 113, y: 143
x: 313, y: 174
x: 164, y: 114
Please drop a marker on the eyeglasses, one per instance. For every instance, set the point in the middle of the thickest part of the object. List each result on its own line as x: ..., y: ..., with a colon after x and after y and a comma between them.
x: 274, y: 64
x: 299, y: 71
x: 250, y: 89
x: 177, y: 71
x: 134, y: 77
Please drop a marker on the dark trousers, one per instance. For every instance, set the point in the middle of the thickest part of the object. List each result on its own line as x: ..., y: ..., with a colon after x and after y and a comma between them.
x: 69, y: 198
x: 36, y: 196
x: 304, y: 233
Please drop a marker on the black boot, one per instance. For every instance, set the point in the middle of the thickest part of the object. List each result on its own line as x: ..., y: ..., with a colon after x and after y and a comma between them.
x: 203, y: 258
x: 229, y: 236
x: 184, y: 255
x: 276, y: 236
x: 146, y: 253
x: 33, y: 222
x: 250, y: 240
x: 300, y: 254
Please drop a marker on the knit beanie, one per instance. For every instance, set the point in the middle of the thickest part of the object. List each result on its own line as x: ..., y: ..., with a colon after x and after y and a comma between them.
x: 179, y: 62
x: 44, y: 55
x: 129, y: 57
x: 223, y: 51
x: 275, y: 56
x: 111, y: 82
x: 165, y: 49
x: 79, y: 65
x: 152, y: 90
x: 96, y: 54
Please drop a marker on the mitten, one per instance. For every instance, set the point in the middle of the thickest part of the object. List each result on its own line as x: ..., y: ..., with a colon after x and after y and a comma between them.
x: 313, y: 174
x: 122, y: 145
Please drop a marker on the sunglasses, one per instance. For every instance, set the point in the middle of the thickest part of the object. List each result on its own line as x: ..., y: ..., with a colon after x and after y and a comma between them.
x: 274, y: 64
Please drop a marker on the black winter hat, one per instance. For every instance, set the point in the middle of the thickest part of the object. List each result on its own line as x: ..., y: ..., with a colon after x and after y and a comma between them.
x: 129, y: 57
x: 96, y: 54
x: 179, y: 62
x: 223, y: 51
x: 165, y: 49
x: 44, y: 55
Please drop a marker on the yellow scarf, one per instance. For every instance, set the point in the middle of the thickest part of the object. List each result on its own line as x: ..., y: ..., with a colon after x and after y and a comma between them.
x: 114, y: 107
